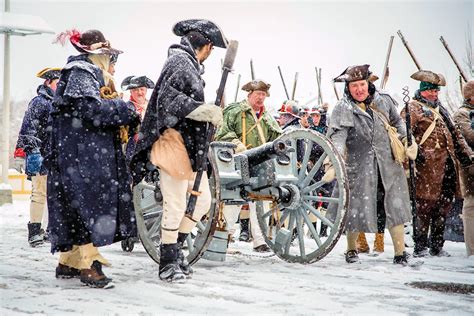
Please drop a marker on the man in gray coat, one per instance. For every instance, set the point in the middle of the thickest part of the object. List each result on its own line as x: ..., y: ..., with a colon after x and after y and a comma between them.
x: 464, y: 123
x: 377, y: 182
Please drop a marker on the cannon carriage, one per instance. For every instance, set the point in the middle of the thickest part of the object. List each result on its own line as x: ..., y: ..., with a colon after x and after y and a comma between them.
x: 283, y: 178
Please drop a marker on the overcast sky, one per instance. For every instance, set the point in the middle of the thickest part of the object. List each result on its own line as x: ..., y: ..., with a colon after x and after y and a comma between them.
x: 297, y: 35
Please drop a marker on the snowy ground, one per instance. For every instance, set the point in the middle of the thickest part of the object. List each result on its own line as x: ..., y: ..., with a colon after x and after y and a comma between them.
x: 241, y: 285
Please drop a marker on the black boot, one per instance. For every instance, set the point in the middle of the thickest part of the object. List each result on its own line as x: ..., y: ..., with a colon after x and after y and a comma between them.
x: 352, y: 256
x: 169, y: 268
x: 34, y: 234
x: 182, y: 261
x: 244, y: 230
x: 324, y: 230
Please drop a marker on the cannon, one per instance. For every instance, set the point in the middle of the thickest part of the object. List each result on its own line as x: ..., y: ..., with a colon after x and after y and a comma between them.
x: 286, y: 174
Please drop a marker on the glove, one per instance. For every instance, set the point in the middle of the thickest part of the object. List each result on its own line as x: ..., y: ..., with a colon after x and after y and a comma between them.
x: 19, y: 164
x: 412, y: 150
x: 33, y: 163
x: 207, y: 112
x: 330, y: 173
x: 240, y: 146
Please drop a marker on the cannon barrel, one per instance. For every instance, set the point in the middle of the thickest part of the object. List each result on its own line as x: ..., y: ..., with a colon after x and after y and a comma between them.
x: 265, y: 152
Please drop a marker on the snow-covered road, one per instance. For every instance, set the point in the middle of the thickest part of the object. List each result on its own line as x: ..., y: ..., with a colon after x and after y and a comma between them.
x: 241, y: 285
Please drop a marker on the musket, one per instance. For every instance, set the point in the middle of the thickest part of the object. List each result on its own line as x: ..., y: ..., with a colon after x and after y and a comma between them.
x: 284, y: 85
x: 405, y: 43
x: 211, y: 129
x: 385, y: 74
x: 318, y: 80
x: 411, y: 163
x: 414, y: 59
x: 252, y: 72
x: 294, y: 86
x: 461, y: 72
x: 335, y: 90
x: 237, y: 90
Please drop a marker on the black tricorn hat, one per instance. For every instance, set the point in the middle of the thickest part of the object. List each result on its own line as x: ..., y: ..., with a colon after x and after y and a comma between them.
x: 205, y: 27
x: 132, y: 82
x: 93, y: 42
x: 354, y: 73
x: 49, y: 73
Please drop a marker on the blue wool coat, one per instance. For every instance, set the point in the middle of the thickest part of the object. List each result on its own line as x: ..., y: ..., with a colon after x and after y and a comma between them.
x: 89, y: 193
x: 34, y: 135
x: 179, y: 90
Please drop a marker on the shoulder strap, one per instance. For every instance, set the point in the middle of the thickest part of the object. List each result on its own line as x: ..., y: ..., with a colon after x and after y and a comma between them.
x: 430, y: 128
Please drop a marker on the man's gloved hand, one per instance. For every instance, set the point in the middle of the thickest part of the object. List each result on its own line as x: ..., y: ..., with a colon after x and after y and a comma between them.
x: 412, y: 150
x: 207, y: 112
x: 19, y: 164
x: 33, y: 163
x: 240, y: 146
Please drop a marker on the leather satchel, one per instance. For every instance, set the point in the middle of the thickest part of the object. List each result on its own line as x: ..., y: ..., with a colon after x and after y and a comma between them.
x: 170, y: 155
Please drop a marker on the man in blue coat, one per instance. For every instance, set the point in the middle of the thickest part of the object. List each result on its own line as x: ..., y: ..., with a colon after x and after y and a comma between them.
x: 33, y: 140
x: 89, y: 193
x: 173, y: 137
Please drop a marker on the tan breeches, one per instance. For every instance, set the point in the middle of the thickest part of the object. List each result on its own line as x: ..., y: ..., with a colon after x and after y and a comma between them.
x: 468, y: 221
x: 175, y: 193
x: 82, y: 257
x: 231, y: 213
x: 38, y: 200
x: 396, y: 232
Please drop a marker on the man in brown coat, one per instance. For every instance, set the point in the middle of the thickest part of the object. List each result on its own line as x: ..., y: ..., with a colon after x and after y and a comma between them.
x: 464, y: 123
x: 437, y: 174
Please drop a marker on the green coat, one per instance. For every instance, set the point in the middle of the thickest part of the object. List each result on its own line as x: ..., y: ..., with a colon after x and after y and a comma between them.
x: 232, y: 127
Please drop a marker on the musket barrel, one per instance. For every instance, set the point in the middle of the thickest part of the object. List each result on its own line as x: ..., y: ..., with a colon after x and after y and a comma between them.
x: 405, y: 43
x: 294, y: 86
x: 283, y: 81
x: 385, y: 68
x: 461, y: 72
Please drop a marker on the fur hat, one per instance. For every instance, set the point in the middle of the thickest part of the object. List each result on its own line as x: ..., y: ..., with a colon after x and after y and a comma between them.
x: 132, y: 82
x: 468, y: 90
x: 257, y: 85
x: 91, y: 42
x: 354, y: 73
x: 429, y: 76
x: 205, y: 27
x: 49, y: 73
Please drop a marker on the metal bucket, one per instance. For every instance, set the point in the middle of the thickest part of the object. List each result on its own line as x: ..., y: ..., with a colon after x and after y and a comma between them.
x: 217, y: 249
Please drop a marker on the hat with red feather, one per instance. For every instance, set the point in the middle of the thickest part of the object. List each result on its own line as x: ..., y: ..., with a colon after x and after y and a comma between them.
x: 91, y: 42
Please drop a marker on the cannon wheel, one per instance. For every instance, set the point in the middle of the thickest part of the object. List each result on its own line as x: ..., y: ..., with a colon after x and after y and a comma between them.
x: 147, y: 200
x: 296, y: 247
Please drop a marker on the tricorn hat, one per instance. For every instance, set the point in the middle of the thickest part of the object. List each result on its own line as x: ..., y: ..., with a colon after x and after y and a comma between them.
x: 92, y: 42
x: 257, y: 85
x: 468, y: 90
x: 49, y: 73
x: 205, y: 27
x: 429, y: 76
x: 290, y: 107
x: 354, y: 73
x: 132, y: 82
x: 373, y: 78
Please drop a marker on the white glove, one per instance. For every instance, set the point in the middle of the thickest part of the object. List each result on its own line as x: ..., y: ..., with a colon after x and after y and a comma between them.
x: 240, y: 146
x: 19, y: 164
x: 412, y: 150
x: 207, y: 112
